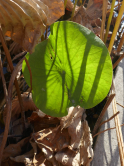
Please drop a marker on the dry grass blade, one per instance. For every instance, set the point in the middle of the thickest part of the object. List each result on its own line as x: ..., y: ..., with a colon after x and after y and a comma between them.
x: 118, y: 130
x: 120, y: 105
x: 104, y: 11
x: 9, y: 103
x: 102, y: 113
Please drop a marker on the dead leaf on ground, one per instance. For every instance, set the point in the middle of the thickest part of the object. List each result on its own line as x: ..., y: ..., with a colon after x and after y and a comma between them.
x: 81, y: 17
x: 16, y: 110
x: 14, y: 150
x: 40, y: 121
x: 25, y: 21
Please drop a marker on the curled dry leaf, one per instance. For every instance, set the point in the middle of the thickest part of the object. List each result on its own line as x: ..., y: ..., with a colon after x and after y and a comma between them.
x: 16, y: 110
x: 25, y: 21
x: 14, y: 150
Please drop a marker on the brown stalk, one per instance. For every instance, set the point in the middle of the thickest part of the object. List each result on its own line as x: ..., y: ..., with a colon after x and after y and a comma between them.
x: 105, y: 130
x: 3, y: 80
x: 102, y: 113
x: 118, y: 130
x: 117, y: 62
x: 104, y: 11
x: 120, y: 44
x: 27, y: 63
x: 12, y: 68
x: 109, y: 118
x: 8, y: 106
x: 120, y: 105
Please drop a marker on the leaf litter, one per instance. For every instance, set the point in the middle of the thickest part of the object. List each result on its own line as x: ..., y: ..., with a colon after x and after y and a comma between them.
x: 53, y: 141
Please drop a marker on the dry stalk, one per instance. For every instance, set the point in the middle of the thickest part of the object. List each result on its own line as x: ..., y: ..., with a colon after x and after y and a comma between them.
x: 8, y: 106
x: 109, y: 119
x: 102, y: 113
x: 120, y: 44
x: 117, y: 62
x: 118, y: 130
x: 12, y: 68
x: 104, y: 11
x: 120, y: 105
x: 105, y: 130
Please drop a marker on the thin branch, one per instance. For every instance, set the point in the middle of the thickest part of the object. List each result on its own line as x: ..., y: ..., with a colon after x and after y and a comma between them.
x: 105, y: 130
x: 12, y: 68
x: 120, y: 105
x: 102, y: 113
x: 109, y: 118
x: 8, y: 107
x: 3, y: 80
x: 117, y: 62
x: 120, y: 44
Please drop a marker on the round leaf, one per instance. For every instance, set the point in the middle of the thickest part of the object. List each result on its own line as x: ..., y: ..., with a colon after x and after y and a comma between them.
x: 72, y: 67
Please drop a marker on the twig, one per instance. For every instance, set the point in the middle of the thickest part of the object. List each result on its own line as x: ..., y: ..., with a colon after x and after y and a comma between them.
x: 117, y: 62
x: 27, y: 63
x: 8, y: 107
x: 109, y: 118
x: 109, y: 20
x: 102, y: 113
x: 120, y: 105
x: 104, y: 10
x: 116, y: 27
x: 12, y: 68
x: 73, y: 10
x: 114, y: 6
x: 105, y: 130
x: 3, y: 80
x: 120, y: 44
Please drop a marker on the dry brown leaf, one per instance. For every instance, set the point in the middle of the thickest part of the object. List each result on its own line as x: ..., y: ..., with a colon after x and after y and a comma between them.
x: 25, y: 20
x: 86, y: 151
x: 68, y: 157
x: 14, y: 150
x: 81, y: 17
x: 94, y: 9
x: 52, y: 138
x: 16, y: 110
x: 40, y: 121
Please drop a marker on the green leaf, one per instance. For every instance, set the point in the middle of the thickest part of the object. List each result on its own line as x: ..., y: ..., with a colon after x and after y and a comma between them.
x: 72, y: 67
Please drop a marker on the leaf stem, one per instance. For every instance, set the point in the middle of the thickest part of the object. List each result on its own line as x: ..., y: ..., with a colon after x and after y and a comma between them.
x: 116, y: 27
x: 73, y: 10
x: 109, y: 20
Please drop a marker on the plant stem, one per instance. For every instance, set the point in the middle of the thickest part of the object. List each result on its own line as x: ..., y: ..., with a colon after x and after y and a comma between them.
x: 116, y: 27
x: 65, y: 2
x: 109, y: 20
x: 27, y: 63
x: 117, y: 62
x: 104, y: 11
x: 12, y: 68
x: 3, y: 80
x: 120, y: 44
x: 73, y: 10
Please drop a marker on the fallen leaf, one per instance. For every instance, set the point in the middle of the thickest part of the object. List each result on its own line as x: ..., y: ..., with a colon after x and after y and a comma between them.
x: 16, y: 110
x: 81, y: 17
x: 14, y: 150
x: 25, y: 21
x: 68, y: 157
